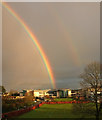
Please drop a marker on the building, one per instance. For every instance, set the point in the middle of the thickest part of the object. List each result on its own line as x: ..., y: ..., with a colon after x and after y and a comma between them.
x: 91, y: 91
x: 41, y: 93
x: 76, y: 93
x: 60, y: 93
x: 27, y: 93
x: 66, y: 92
x: 52, y: 93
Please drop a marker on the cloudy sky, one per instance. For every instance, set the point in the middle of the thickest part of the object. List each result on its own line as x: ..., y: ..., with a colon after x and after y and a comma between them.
x: 69, y: 34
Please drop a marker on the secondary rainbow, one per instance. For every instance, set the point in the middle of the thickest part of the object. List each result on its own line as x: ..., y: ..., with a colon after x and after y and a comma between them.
x: 35, y: 41
x: 67, y: 37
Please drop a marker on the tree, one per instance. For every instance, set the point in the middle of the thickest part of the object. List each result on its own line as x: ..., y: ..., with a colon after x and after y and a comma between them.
x: 2, y: 88
x: 92, y: 81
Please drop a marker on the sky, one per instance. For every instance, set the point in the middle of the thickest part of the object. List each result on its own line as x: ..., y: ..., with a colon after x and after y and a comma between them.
x: 69, y: 34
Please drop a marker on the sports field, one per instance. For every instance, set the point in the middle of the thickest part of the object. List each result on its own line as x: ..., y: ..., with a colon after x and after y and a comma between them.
x: 54, y: 111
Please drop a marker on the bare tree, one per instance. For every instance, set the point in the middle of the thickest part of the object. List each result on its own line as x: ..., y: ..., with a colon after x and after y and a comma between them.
x: 92, y: 81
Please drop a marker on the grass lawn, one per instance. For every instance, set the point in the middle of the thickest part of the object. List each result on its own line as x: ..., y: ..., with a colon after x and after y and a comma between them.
x: 63, y: 99
x: 54, y: 111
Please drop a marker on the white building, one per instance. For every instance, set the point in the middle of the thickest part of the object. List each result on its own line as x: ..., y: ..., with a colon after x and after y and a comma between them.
x: 41, y: 93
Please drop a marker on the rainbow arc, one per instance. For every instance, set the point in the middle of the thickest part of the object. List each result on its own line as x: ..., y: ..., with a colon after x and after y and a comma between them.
x: 35, y: 42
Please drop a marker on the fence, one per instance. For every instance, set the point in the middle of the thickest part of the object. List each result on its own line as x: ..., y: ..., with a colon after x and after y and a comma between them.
x: 66, y: 102
x: 19, y: 112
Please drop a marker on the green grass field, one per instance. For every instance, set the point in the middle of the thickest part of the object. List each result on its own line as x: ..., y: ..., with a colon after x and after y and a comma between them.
x: 63, y: 99
x: 54, y: 111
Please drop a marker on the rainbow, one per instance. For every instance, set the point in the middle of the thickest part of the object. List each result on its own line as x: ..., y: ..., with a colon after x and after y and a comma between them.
x: 68, y: 40
x: 35, y: 42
